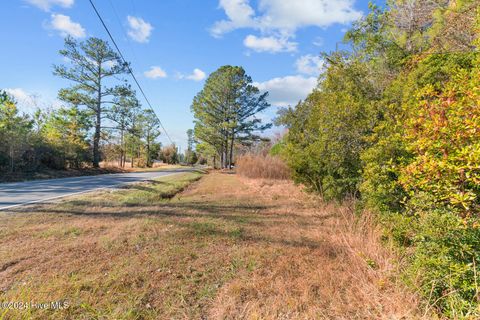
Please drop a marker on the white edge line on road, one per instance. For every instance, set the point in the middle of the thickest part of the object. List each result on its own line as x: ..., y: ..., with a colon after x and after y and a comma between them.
x: 80, y: 192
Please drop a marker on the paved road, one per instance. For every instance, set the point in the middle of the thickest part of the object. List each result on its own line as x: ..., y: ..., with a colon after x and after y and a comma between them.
x: 21, y: 193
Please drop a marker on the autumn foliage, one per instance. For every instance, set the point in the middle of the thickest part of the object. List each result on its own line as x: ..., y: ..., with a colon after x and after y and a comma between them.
x: 395, y: 123
x: 443, y: 132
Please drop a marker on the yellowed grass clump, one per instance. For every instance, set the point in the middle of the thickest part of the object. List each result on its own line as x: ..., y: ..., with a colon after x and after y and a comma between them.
x: 258, y: 166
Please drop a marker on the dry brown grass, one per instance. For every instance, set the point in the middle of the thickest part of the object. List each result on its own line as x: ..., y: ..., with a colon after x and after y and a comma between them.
x: 225, y: 248
x: 324, y: 264
x: 259, y: 166
x: 128, y: 166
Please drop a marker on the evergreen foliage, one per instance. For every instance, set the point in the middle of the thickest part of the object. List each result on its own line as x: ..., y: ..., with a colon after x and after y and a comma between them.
x: 395, y: 122
x: 100, y: 118
x: 225, y: 112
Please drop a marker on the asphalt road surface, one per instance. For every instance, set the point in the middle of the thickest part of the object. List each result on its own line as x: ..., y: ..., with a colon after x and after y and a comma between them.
x: 22, y: 193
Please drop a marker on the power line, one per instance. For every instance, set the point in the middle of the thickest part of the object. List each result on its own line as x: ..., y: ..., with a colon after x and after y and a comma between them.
x: 134, y: 7
x: 129, y: 69
x: 123, y: 30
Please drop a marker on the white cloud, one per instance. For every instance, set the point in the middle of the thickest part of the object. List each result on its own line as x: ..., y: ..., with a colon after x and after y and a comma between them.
x: 282, y: 18
x: 239, y: 13
x: 47, y: 4
x: 309, y: 64
x: 21, y: 96
x: 66, y: 26
x: 139, y: 29
x: 155, y: 73
x: 28, y: 102
x: 292, y: 15
x: 287, y: 91
x: 269, y: 44
x: 197, y: 75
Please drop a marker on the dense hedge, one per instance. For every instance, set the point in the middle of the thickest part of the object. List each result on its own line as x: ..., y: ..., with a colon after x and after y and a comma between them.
x: 395, y: 122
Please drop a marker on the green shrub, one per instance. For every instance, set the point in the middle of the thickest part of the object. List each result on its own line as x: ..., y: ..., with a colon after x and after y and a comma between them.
x: 446, y: 263
x: 327, y: 130
x: 438, y: 174
x: 396, y: 122
x: 442, y: 132
x: 278, y: 148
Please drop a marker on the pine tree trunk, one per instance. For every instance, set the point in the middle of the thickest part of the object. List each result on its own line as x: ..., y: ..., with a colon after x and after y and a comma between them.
x: 226, y: 165
x: 148, y: 155
x: 122, y: 159
x: 231, y: 149
x: 132, y: 150
x: 222, y: 157
x: 96, y: 142
x: 96, y: 137
x: 148, y: 150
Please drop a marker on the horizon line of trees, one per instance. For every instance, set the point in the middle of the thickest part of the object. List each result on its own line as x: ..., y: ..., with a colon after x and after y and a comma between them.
x: 100, y: 118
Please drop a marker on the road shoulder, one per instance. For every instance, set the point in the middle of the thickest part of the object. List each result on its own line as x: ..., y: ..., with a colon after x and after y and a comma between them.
x: 223, y: 247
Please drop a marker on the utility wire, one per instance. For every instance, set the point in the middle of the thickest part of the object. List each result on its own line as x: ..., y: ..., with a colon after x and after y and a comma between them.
x: 123, y: 30
x: 129, y: 69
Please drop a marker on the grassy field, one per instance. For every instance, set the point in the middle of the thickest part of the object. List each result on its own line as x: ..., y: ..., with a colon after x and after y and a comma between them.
x: 225, y: 247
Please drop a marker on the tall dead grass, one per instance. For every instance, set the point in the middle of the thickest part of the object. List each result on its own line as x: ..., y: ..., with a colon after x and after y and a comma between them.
x: 259, y: 166
x: 322, y: 262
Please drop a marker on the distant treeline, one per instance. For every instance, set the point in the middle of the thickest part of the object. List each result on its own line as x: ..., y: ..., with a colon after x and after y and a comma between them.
x: 395, y: 122
x: 100, y: 119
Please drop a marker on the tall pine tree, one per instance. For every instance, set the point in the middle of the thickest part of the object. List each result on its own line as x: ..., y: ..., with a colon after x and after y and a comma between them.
x: 91, y: 63
x: 225, y: 111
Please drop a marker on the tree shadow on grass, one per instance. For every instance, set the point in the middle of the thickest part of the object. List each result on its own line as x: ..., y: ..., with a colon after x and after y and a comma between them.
x: 168, y: 209
x: 207, y: 219
x: 239, y: 213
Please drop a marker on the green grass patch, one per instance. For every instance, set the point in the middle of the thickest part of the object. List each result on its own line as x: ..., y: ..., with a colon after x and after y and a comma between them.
x: 139, y: 194
x: 60, y: 232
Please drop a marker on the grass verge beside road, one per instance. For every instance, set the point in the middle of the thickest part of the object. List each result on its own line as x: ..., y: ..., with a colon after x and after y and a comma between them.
x: 223, y: 247
x: 69, y: 173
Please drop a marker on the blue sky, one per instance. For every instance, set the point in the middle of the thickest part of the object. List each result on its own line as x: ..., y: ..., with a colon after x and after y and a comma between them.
x: 174, y: 44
